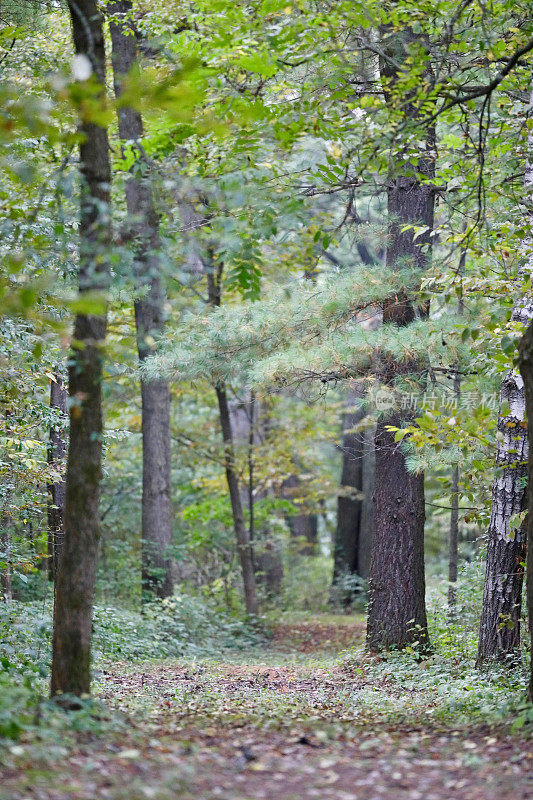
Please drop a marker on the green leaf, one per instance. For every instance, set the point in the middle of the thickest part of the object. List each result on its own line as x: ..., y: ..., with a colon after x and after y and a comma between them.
x: 259, y: 63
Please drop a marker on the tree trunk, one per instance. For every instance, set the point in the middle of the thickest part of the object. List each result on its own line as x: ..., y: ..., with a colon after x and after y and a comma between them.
x: 5, y: 572
x: 74, y: 593
x: 241, y: 532
x: 349, y: 503
x: 499, y: 635
x: 248, y: 422
x: 57, y: 456
x: 526, y: 369
x: 269, y: 567
x: 453, y: 549
x: 367, y: 514
x: 499, y: 632
x: 397, y: 612
x: 143, y: 230
x: 453, y: 542
x: 242, y: 535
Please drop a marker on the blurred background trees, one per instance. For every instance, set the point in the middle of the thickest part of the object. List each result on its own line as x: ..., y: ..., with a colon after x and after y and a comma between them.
x: 349, y: 179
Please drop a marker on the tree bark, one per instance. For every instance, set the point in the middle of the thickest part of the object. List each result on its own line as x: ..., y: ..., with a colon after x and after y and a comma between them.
x: 453, y: 548
x: 367, y: 514
x: 241, y: 532
x: 350, y: 501
x: 499, y: 632
x: 57, y: 456
x: 143, y: 230
x: 74, y: 593
x: 453, y: 542
x: 397, y: 612
x: 526, y: 369
x: 5, y: 572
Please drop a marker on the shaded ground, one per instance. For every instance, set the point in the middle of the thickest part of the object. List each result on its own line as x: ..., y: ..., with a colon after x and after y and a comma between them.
x: 272, y: 729
x: 309, y: 636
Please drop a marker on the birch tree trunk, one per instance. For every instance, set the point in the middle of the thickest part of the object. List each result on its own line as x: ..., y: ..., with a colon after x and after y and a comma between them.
x: 397, y: 611
x: 526, y: 369
x: 499, y: 632
x: 57, y: 454
x: 150, y: 322
x: 6, y: 585
x: 74, y: 591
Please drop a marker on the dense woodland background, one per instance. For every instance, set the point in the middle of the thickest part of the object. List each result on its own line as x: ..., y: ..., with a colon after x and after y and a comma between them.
x: 265, y: 270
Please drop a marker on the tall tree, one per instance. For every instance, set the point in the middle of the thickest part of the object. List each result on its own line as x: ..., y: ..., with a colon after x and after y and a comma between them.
x: 6, y: 584
x: 499, y: 633
x: 397, y: 611
x: 242, y: 534
x: 250, y: 423
x: 526, y: 369
x: 57, y: 453
x: 453, y: 542
x: 73, y: 605
x: 143, y: 231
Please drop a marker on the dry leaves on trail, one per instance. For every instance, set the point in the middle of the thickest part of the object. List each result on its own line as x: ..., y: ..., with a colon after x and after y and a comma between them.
x: 242, y: 764
x: 310, y: 637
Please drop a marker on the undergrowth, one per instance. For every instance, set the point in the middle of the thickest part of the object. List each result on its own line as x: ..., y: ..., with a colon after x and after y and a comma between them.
x: 446, y: 687
x: 178, y: 627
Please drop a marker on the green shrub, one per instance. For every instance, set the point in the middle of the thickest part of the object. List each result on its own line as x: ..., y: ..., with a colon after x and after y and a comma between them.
x: 19, y: 695
x: 179, y: 626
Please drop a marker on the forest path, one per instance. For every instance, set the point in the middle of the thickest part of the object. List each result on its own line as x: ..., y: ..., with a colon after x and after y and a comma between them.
x: 279, y: 725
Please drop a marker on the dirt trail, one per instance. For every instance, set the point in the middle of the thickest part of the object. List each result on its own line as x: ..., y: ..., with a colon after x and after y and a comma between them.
x: 278, y: 732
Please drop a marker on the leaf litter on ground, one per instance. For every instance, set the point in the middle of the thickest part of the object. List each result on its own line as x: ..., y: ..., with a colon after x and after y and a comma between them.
x: 328, y: 726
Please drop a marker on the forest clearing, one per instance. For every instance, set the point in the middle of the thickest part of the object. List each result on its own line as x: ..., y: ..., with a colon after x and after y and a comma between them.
x: 266, y: 397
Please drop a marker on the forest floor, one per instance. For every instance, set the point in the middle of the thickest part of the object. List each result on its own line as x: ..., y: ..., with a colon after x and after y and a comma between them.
x: 291, y: 719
